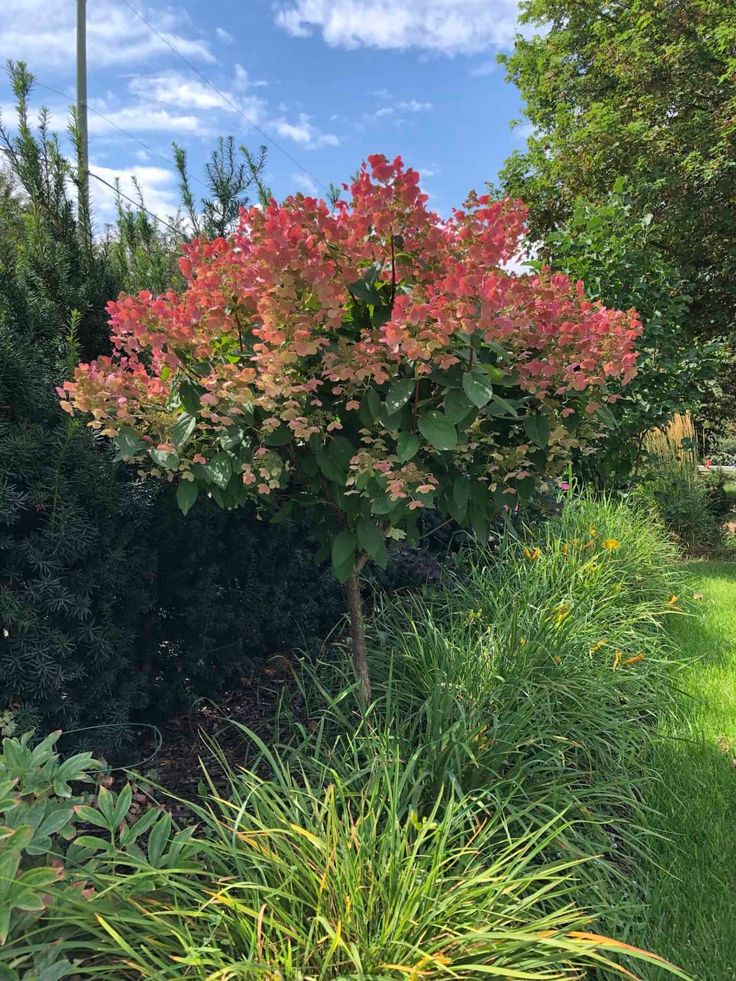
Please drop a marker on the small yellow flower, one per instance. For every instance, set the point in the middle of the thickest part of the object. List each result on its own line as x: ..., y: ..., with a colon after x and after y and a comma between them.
x: 592, y: 532
x: 617, y: 658
x: 635, y: 659
x: 563, y: 612
x: 672, y: 601
x: 529, y: 554
x: 611, y: 544
x: 597, y: 646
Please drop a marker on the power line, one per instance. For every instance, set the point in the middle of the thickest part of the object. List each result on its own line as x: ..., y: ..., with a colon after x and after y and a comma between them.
x: 136, y: 204
x: 227, y: 99
x: 120, y: 129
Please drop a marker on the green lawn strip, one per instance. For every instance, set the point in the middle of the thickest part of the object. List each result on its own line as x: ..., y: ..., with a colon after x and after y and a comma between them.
x: 692, y: 899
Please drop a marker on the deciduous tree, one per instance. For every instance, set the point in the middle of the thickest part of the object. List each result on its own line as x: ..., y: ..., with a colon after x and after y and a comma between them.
x: 363, y: 362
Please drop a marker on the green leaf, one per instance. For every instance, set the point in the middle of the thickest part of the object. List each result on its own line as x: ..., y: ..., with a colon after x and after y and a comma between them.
x: 438, y: 430
x: 461, y: 493
x: 537, y: 429
x: 279, y: 437
x: 168, y: 459
x: 399, y: 394
x: 343, y: 547
x: 232, y: 438
x: 127, y: 443
x: 479, y: 522
x: 219, y: 470
x: 372, y: 541
x: 343, y: 555
x: 478, y: 388
x: 498, y: 376
x: 607, y: 417
x: 283, y: 513
x: 143, y: 824
x: 122, y: 806
x: 186, y: 494
x: 106, y: 804
x: 183, y: 429
x: 189, y: 397
x: 407, y: 446
x: 457, y: 405
x: 158, y: 839
x: 525, y: 487
x: 92, y: 816
x: 341, y: 451
x: 365, y: 293
x: 500, y: 408
x: 329, y: 466
x: 372, y: 402
x: 382, y: 504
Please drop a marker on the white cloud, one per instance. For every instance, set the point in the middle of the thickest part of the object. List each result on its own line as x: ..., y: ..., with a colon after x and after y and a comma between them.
x: 179, y: 90
x: 413, y: 105
x: 304, y: 132
x: 145, y: 118
x: 406, y: 105
x: 43, y: 33
x: 445, y: 26
x: 224, y: 36
x: 159, y: 185
x: 304, y: 182
x: 173, y: 102
x: 243, y: 80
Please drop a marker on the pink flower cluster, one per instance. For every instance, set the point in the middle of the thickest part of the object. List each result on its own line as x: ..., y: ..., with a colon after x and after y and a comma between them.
x: 269, y: 312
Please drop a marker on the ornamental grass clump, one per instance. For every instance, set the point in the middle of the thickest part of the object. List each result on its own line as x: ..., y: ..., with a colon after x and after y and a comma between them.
x: 338, y: 879
x: 484, y: 816
x: 536, y: 674
x: 365, y: 363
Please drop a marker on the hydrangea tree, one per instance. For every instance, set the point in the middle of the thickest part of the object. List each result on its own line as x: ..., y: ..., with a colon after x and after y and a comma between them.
x: 365, y: 362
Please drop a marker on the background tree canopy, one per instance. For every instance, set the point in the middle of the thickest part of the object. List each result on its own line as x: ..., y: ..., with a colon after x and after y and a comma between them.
x: 611, y: 249
x: 644, y: 89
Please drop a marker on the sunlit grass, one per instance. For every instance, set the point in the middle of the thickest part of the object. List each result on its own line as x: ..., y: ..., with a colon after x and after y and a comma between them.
x: 691, y: 912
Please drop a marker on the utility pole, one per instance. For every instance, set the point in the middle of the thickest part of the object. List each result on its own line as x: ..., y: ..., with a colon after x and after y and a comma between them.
x: 83, y: 215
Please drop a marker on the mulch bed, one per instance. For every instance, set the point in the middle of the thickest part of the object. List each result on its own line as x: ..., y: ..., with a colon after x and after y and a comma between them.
x: 173, y: 758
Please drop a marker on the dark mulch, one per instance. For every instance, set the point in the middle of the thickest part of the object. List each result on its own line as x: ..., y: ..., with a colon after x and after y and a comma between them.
x: 173, y: 756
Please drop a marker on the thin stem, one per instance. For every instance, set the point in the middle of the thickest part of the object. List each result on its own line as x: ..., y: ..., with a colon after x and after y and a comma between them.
x: 357, y: 635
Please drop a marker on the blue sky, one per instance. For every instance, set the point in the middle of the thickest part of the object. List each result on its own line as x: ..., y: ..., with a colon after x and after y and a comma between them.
x: 329, y: 81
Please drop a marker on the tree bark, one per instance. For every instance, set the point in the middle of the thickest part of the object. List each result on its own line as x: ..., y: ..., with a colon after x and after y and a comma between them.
x: 357, y: 635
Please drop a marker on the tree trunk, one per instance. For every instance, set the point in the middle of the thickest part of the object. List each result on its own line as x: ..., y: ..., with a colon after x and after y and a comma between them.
x: 357, y: 634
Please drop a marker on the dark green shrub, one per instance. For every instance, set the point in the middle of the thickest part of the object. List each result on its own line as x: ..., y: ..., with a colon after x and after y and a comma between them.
x: 684, y: 499
x: 226, y: 591
x: 93, y: 632
x: 723, y: 447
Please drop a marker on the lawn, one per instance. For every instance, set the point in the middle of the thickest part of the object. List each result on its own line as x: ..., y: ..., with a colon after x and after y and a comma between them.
x: 691, y: 901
